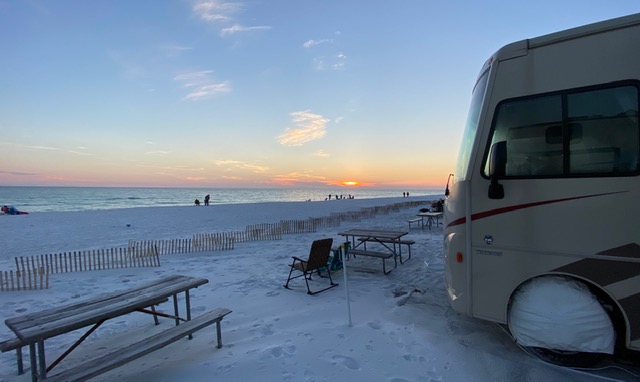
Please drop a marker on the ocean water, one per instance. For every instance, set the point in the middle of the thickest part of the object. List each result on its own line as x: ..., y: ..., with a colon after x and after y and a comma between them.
x: 50, y: 199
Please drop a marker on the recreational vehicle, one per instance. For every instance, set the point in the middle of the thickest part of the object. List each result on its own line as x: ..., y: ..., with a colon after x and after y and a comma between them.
x: 542, y: 213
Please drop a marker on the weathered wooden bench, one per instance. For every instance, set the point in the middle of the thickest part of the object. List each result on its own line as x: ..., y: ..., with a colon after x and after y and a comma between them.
x: 417, y: 221
x: 380, y: 255
x: 132, y: 352
x: 400, y: 243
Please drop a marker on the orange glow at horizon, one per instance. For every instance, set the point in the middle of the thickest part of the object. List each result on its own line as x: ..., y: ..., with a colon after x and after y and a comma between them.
x: 350, y: 183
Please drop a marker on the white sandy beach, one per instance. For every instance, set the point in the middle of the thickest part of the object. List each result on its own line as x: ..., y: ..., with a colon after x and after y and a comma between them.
x: 273, y: 334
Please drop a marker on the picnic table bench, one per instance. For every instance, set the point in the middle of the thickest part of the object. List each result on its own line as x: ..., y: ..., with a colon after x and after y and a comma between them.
x: 34, y: 328
x: 414, y: 220
x: 400, y: 243
x: 380, y: 255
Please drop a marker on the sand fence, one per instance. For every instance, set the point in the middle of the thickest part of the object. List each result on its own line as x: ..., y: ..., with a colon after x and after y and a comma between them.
x: 222, y: 241
x: 33, y: 272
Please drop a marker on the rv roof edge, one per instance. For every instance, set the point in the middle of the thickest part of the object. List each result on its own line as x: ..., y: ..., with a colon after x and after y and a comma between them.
x: 585, y: 30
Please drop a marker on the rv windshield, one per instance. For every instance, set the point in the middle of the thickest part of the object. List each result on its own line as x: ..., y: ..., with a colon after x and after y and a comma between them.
x: 471, y: 127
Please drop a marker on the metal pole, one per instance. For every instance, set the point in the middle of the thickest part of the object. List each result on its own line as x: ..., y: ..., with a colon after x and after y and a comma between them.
x: 344, y: 251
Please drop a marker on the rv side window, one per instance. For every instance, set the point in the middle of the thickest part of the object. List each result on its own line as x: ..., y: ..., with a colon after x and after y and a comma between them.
x: 591, y: 132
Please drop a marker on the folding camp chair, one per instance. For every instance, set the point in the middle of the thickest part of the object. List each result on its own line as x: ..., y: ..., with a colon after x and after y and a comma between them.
x: 318, y: 258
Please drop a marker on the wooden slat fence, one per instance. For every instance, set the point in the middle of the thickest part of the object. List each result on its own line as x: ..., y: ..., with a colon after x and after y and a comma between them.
x: 213, y: 242
x: 32, y: 272
x: 260, y: 232
x: 37, y: 278
x: 163, y: 247
x: 207, y: 242
x: 298, y: 226
x: 265, y: 231
x: 99, y: 259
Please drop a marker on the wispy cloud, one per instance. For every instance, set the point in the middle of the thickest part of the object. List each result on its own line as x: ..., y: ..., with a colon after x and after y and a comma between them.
x: 309, y: 127
x: 215, y: 11
x: 222, y: 14
x: 206, y: 91
x: 173, y: 50
x: 77, y: 151
x: 202, y: 85
x: 321, y: 154
x: 312, y: 43
x: 337, y: 62
x: 330, y: 59
x: 299, y: 177
x: 340, y: 61
x: 45, y: 148
x: 172, y: 170
x: 237, y: 28
x: 18, y: 173
x: 230, y: 164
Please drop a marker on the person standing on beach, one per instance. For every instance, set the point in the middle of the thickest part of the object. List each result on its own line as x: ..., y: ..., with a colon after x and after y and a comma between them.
x: 197, y: 202
x: 206, y: 200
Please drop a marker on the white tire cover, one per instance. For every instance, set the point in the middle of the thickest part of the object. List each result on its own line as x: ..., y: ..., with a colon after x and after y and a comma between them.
x: 560, y: 313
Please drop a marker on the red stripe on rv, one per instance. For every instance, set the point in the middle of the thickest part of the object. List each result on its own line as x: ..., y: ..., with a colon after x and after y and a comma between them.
x: 503, y: 210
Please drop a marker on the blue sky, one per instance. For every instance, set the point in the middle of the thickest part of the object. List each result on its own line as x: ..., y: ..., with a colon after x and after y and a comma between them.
x: 250, y: 93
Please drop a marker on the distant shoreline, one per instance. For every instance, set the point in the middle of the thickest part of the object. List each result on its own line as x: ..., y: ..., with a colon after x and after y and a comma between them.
x: 58, y: 199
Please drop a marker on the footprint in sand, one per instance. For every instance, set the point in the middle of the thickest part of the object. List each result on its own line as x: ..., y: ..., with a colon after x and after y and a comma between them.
x: 225, y: 369
x: 309, y: 375
x: 278, y: 352
x: 345, y: 361
x: 265, y: 330
x: 198, y: 309
x: 375, y: 325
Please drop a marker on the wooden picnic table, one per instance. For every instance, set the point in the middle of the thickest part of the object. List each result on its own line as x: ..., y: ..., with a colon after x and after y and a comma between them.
x: 372, y: 234
x: 34, y: 328
x: 387, y: 239
x: 432, y: 218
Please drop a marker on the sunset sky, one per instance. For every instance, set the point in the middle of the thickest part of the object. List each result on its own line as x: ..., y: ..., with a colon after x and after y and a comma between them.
x: 255, y: 93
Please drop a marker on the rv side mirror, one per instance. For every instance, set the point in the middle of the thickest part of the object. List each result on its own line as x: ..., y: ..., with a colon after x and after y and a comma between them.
x: 446, y: 190
x: 497, y: 169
